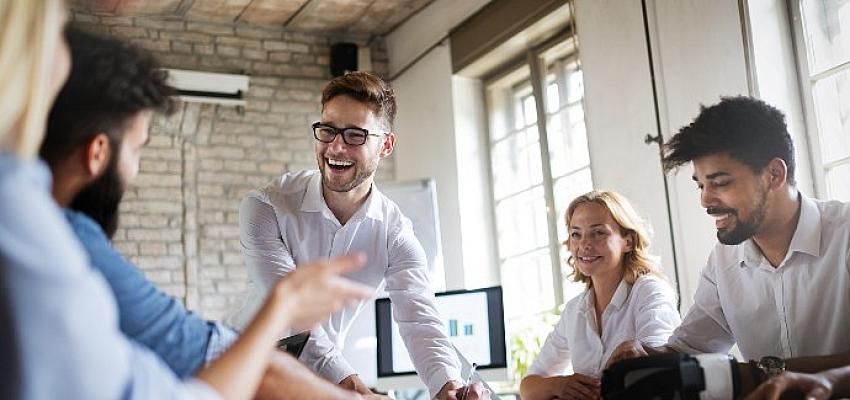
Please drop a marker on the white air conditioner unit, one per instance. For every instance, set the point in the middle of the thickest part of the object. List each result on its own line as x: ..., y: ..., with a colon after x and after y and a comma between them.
x: 209, y: 87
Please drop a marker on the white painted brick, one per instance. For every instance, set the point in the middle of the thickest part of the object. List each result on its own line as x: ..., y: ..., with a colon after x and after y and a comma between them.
x: 153, y: 249
x: 158, y: 262
x: 126, y: 248
x: 147, y: 235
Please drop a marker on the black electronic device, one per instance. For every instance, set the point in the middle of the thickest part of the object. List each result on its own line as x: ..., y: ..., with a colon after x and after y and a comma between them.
x: 294, y: 344
x: 673, y: 376
x: 343, y: 58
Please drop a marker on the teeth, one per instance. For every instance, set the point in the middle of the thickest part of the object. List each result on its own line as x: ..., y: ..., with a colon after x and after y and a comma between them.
x: 340, y: 163
x: 588, y: 259
x: 720, y: 216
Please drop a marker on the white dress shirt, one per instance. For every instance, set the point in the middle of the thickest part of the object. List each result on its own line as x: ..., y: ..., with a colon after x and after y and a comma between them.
x: 800, y: 308
x: 645, y: 311
x: 288, y: 223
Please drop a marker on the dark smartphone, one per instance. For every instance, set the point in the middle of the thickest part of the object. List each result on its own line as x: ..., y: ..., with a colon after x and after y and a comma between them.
x: 294, y: 344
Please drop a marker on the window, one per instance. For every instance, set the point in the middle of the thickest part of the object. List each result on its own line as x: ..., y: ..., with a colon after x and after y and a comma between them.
x: 539, y: 163
x: 823, y: 36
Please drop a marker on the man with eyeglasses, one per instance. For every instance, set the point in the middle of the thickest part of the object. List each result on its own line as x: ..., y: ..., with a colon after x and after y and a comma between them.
x: 313, y: 214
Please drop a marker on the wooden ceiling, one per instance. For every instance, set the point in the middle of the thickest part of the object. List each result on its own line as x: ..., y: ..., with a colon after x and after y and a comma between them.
x: 375, y: 17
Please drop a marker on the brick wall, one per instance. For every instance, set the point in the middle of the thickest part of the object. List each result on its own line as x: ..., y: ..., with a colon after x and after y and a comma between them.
x: 180, y: 217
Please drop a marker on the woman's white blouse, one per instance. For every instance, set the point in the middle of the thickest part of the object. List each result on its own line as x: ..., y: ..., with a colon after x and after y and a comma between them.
x: 645, y: 311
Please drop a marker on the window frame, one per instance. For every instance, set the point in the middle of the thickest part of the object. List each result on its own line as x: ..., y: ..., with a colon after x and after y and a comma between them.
x: 806, y: 83
x: 533, y: 58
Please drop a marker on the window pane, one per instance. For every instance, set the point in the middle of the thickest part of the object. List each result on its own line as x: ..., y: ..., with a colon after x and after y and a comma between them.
x: 527, y: 281
x: 832, y: 105
x: 566, y: 189
x: 521, y: 223
x: 568, y: 147
x: 827, y: 31
x: 516, y: 163
x: 553, y: 102
x: 575, y: 84
x: 838, y: 182
x: 529, y: 110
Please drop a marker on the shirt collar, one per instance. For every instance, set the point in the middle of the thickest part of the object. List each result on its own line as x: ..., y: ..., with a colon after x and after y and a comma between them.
x: 806, y: 238
x: 314, y: 201
x: 618, y: 300
x: 621, y: 294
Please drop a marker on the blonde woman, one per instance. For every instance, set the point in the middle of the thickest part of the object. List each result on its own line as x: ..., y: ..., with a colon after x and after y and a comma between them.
x: 61, y: 337
x: 626, y: 298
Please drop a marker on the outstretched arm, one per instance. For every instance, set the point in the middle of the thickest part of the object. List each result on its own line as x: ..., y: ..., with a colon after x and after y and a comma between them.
x: 291, y: 303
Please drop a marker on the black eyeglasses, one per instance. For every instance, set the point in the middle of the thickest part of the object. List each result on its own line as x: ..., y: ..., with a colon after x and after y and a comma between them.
x: 351, y: 136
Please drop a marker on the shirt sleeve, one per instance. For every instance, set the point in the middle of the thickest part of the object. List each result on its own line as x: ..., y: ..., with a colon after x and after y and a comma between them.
x: 656, y: 316
x: 268, y: 259
x: 147, y: 314
x: 221, y: 338
x: 419, y: 322
x: 554, y: 357
x: 322, y: 356
x: 704, y: 328
x: 150, y: 378
x: 266, y: 255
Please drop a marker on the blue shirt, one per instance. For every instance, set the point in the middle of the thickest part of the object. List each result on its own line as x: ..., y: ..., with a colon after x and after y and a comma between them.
x: 65, y: 319
x: 147, y: 315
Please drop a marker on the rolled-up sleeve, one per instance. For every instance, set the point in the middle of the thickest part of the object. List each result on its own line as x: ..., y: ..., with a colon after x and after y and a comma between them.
x: 266, y: 255
x: 656, y: 317
x: 322, y: 356
x: 221, y: 338
x: 704, y: 328
x: 419, y: 322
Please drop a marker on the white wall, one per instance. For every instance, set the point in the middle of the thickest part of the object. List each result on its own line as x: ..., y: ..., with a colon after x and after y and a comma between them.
x: 426, y: 28
x: 425, y: 146
x: 478, y: 242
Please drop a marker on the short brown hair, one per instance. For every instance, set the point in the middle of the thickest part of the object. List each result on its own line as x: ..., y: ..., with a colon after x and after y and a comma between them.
x: 367, y: 88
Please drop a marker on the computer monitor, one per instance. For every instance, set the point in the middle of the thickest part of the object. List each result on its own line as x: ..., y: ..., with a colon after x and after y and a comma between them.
x: 475, y: 324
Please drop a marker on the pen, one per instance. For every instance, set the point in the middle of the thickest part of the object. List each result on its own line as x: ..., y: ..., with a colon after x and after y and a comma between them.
x: 468, y: 378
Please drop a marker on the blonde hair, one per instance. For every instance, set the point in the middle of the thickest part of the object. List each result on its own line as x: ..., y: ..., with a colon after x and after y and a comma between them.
x: 29, y: 34
x: 636, y: 262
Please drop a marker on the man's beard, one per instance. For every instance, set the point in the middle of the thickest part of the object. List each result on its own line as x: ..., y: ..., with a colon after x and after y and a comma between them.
x: 360, y: 176
x: 743, y: 230
x: 101, y: 198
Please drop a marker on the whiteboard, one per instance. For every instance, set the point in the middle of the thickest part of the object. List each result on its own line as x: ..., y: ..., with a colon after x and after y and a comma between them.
x: 418, y: 202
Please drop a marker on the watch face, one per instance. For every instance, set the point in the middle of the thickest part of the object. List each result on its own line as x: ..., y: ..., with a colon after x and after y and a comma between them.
x: 772, y: 366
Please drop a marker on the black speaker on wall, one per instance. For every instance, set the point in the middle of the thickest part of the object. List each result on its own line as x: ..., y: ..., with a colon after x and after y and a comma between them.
x: 343, y: 58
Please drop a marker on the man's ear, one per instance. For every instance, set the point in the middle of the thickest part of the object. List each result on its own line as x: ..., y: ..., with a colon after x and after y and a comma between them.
x: 96, y: 154
x: 776, y: 173
x: 388, y: 146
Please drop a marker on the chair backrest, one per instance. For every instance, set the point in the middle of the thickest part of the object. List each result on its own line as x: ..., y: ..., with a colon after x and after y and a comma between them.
x: 10, y: 375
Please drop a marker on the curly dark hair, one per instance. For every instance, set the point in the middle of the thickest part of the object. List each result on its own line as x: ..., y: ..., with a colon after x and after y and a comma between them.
x: 110, y: 82
x: 744, y: 128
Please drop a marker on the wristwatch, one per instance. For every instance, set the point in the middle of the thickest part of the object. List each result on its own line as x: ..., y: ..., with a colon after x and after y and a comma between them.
x: 771, y: 366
